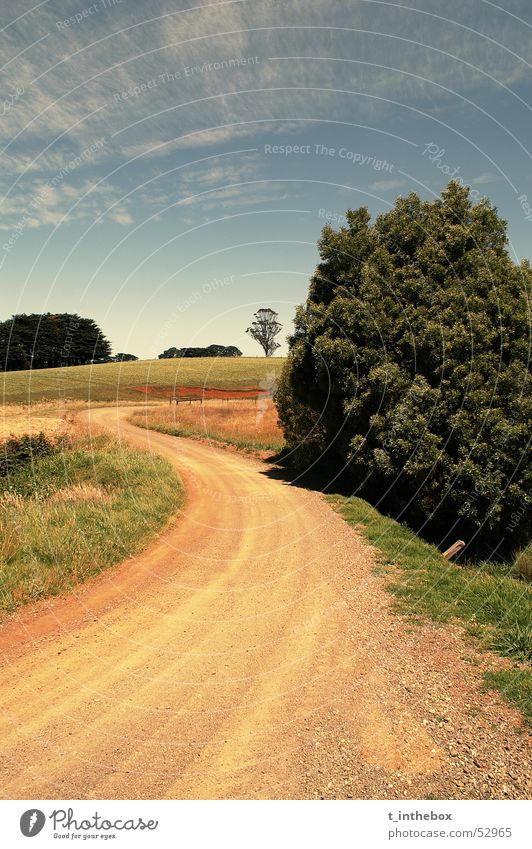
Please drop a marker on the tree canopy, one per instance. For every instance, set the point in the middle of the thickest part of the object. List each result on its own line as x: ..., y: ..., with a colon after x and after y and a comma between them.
x: 409, y: 365
x: 124, y: 358
x: 210, y: 351
x: 50, y: 340
x: 265, y: 329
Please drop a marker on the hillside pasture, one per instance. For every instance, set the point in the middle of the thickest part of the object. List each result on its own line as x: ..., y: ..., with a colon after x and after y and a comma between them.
x: 116, y: 382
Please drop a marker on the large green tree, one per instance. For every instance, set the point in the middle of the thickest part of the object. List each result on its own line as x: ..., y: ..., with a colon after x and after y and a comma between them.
x: 50, y: 340
x: 409, y: 365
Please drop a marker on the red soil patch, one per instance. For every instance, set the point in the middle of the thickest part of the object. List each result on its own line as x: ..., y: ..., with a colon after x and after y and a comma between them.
x: 189, y: 393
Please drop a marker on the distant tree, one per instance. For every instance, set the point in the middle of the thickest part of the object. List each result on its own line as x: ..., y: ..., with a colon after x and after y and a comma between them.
x: 264, y: 330
x: 169, y: 354
x: 221, y: 351
x: 409, y: 366
x: 210, y: 351
x: 50, y: 340
x: 124, y: 358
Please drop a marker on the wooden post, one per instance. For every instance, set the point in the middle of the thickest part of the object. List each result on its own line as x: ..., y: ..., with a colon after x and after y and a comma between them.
x: 454, y: 549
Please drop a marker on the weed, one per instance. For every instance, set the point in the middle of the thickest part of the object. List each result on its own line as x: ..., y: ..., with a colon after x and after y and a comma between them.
x: 515, y: 642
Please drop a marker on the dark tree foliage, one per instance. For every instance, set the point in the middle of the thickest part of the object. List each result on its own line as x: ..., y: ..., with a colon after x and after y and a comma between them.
x: 124, y: 358
x: 21, y: 451
x: 50, y: 340
x: 409, y: 365
x: 210, y: 351
x: 265, y: 329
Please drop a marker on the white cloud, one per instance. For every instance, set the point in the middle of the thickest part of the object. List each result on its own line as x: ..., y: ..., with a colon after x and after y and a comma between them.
x: 222, y: 135
x: 236, y: 197
x: 226, y: 184
x: 213, y: 137
x: 40, y: 204
x: 121, y: 216
x: 387, y: 185
x: 485, y: 179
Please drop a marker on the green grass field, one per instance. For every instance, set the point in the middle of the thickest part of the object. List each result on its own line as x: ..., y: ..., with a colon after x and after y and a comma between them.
x: 67, y: 516
x: 113, y: 382
x: 490, y: 600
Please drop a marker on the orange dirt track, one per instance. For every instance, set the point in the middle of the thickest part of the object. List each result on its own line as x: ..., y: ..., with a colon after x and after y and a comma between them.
x: 248, y: 653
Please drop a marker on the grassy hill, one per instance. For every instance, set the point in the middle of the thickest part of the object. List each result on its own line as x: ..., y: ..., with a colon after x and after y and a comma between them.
x: 125, y: 381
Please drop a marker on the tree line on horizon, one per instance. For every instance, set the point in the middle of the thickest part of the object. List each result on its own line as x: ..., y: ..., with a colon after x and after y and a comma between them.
x: 209, y: 351
x: 53, y: 340
x: 264, y: 329
x: 50, y: 340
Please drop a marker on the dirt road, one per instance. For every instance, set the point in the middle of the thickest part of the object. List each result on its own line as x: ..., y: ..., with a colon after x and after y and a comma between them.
x: 249, y: 653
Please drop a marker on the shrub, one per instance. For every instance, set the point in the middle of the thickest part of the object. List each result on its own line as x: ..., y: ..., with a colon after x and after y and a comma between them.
x: 409, y: 366
x: 21, y: 451
x: 523, y: 563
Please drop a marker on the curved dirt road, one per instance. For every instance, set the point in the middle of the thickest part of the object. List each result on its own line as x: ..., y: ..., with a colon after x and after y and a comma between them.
x: 248, y: 653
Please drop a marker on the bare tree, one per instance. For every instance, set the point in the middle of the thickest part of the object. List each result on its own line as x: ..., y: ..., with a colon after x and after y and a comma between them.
x: 264, y: 330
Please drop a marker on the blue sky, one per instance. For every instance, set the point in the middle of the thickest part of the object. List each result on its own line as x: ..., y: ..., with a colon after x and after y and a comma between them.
x: 167, y: 167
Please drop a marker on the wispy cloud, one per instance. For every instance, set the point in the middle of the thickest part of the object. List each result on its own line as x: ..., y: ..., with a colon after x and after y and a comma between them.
x: 157, y: 83
x: 485, y: 179
x: 39, y: 203
x: 387, y: 185
x: 228, y: 185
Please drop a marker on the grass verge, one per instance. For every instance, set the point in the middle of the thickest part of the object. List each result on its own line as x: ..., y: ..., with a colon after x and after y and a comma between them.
x: 493, y: 604
x: 68, y: 516
x: 243, y: 424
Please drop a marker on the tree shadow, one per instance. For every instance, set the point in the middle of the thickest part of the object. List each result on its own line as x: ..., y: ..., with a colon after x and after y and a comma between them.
x: 326, y: 477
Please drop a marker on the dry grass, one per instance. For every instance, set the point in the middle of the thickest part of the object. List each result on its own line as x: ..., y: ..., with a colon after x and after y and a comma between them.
x: 11, y: 499
x: 18, y: 419
x: 53, y: 418
x: 247, y: 424
x: 9, y: 536
x: 81, y: 492
x: 523, y: 563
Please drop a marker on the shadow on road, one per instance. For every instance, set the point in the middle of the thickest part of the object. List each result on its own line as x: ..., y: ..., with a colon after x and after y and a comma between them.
x: 327, y: 477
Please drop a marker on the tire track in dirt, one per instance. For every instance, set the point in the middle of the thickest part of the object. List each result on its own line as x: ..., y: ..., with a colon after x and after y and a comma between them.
x: 248, y: 653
